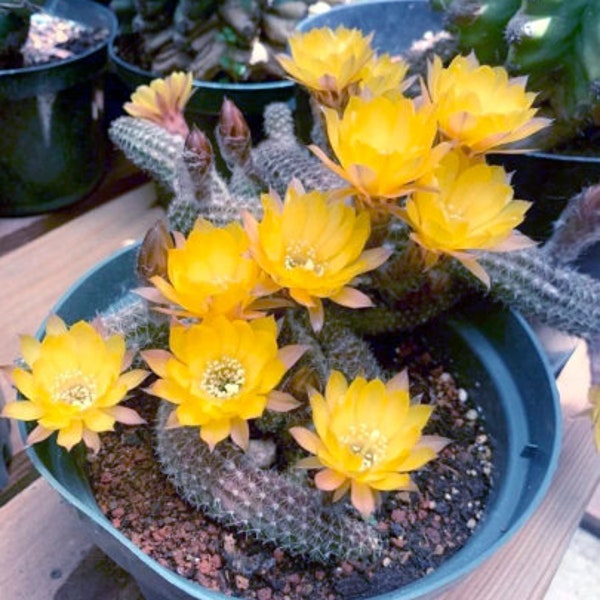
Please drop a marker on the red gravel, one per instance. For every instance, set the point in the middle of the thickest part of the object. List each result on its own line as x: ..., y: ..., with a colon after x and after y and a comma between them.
x: 420, y: 530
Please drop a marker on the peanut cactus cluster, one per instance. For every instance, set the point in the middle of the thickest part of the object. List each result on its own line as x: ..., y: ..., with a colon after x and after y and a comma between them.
x: 555, y: 44
x: 531, y: 280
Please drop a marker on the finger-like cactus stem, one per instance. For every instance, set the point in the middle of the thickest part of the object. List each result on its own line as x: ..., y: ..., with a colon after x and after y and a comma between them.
x: 280, y: 158
x: 559, y: 297
x: 577, y: 228
x: 150, y: 147
x: 271, y: 506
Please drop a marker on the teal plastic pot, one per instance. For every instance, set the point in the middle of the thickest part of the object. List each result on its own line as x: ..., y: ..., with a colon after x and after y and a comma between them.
x: 493, y: 354
x: 53, y: 143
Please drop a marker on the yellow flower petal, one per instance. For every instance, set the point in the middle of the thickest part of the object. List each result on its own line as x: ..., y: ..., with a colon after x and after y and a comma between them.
x: 75, y: 373
x: 480, y: 106
x: 366, y: 438
x: 328, y: 480
x: 22, y: 411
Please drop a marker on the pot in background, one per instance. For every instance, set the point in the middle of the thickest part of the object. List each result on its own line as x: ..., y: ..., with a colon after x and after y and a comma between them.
x: 53, y: 143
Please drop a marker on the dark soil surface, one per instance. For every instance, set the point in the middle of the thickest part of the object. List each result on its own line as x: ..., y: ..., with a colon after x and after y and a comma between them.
x: 420, y: 530
x: 53, y: 39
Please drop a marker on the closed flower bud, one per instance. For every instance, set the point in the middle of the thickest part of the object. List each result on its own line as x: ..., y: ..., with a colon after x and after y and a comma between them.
x: 198, y: 154
x: 152, y: 257
x: 233, y: 134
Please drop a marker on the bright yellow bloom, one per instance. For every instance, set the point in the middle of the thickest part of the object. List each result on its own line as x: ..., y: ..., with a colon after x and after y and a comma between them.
x: 222, y: 373
x: 479, y: 106
x: 208, y: 273
x: 383, y: 75
x: 327, y: 61
x: 163, y: 102
x: 313, y: 245
x: 74, y: 385
x: 472, y: 209
x: 384, y: 145
x: 367, y: 438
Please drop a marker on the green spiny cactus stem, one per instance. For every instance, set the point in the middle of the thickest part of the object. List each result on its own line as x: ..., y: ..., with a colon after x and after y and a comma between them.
x: 280, y: 157
x: 405, y: 314
x: 553, y: 42
x: 141, y: 326
x: 559, y: 297
x: 258, y: 502
x: 335, y: 347
x: 347, y: 352
x: 150, y: 147
x: 216, y: 204
x: 577, y: 228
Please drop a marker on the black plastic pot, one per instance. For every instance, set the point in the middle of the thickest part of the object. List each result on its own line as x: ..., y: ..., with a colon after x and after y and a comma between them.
x: 493, y: 354
x: 53, y: 142
x: 205, y: 104
x: 547, y: 179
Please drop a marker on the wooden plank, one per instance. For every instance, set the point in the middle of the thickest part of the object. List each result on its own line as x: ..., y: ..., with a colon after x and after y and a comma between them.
x: 591, y: 519
x: 120, y: 177
x: 41, y: 543
x: 524, y: 568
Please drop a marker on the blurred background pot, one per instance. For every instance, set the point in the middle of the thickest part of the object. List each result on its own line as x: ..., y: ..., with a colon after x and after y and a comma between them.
x: 53, y: 144
x: 491, y: 351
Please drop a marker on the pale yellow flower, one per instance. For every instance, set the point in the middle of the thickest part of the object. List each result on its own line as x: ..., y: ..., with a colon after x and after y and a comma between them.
x: 384, y: 146
x: 222, y: 373
x: 472, y: 209
x: 327, y: 61
x: 367, y: 438
x: 209, y: 273
x: 479, y: 106
x: 163, y: 102
x: 74, y: 384
x: 313, y: 245
x: 384, y: 75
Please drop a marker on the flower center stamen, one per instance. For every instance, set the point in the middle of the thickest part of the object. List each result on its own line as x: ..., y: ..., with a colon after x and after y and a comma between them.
x: 74, y: 388
x: 370, y: 445
x: 223, y: 378
x: 299, y: 256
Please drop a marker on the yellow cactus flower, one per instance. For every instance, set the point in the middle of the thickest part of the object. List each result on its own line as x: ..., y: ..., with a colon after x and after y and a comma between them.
x: 472, y: 209
x: 163, y: 102
x: 328, y: 62
x: 384, y: 74
x: 384, y: 146
x: 367, y: 438
x: 208, y: 274
x: 313, y: 245
x: 479, y: 106
x: 75, y: 384
x: 222, y: 373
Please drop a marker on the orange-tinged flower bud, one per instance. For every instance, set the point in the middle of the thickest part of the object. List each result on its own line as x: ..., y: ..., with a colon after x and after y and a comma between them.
x: 233, y: 134
x: 152, y: 257
x: 198, y: 154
